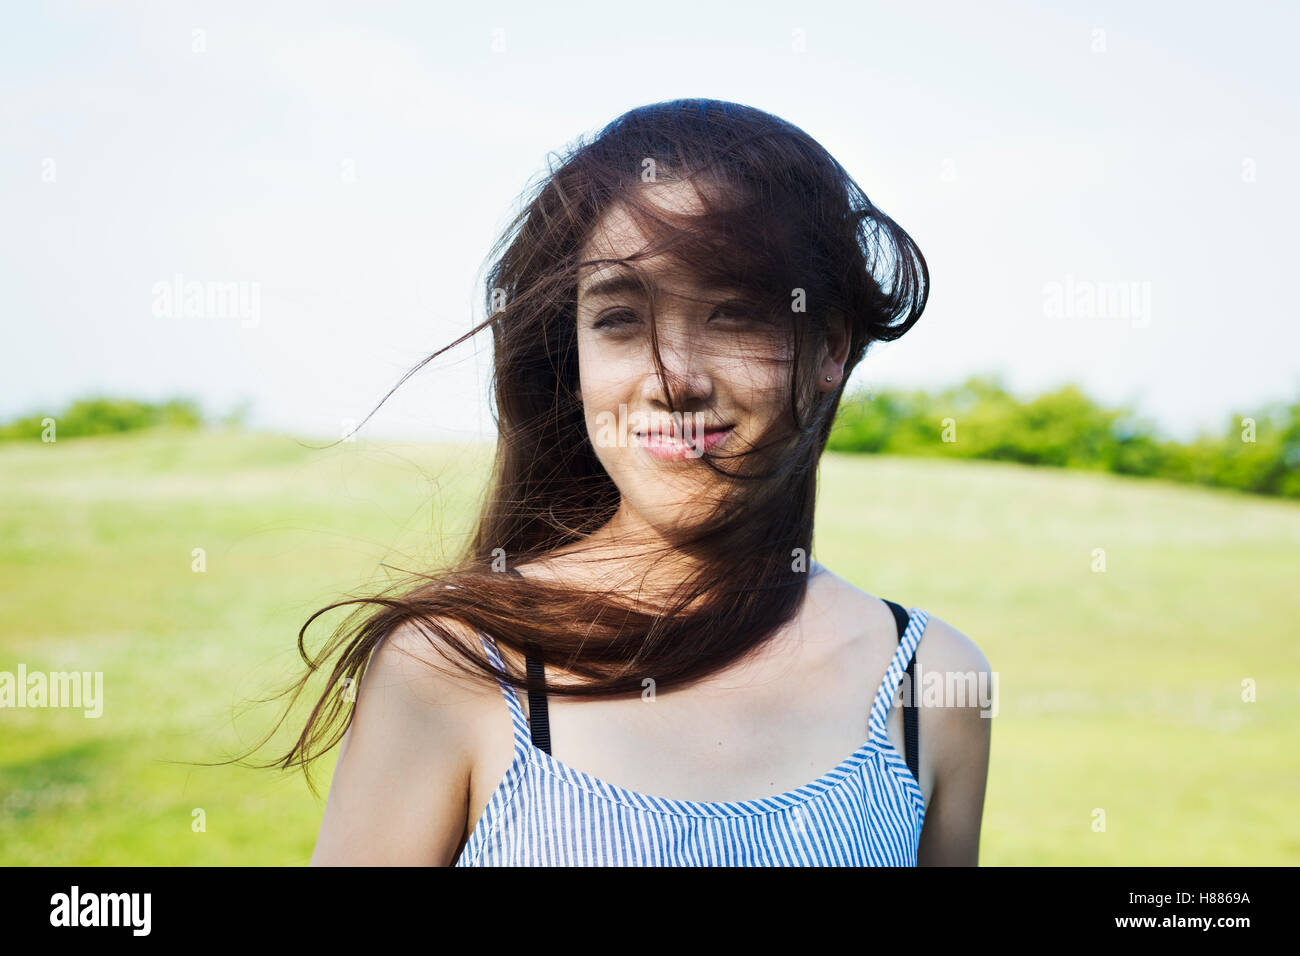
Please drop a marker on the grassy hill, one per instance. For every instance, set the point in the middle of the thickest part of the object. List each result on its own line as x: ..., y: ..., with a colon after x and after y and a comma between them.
x: 1120, y: 691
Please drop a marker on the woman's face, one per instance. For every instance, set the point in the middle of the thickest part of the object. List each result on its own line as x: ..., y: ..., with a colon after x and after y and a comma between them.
x: 729, y: 369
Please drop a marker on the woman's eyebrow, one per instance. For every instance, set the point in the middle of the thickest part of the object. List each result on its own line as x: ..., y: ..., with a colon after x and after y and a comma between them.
x: 623, y: 284
x: 612, y: 285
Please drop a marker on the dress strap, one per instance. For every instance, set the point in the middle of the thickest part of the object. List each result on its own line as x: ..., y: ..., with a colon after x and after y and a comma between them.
x: 517, y: 718
x: 911, y: 743
x: 910, y: 629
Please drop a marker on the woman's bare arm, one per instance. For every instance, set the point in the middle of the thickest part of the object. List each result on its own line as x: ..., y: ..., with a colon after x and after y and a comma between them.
x: 400, y: 789
x: 960, y: 737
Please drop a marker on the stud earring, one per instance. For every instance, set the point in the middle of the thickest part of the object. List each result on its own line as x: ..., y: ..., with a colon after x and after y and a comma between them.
x: 828, y: 378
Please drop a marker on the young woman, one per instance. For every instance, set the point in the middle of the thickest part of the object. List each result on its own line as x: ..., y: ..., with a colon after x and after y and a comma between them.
x: 636, y: 661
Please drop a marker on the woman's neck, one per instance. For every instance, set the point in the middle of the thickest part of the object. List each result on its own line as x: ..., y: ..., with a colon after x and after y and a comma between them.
x: 630, y: 556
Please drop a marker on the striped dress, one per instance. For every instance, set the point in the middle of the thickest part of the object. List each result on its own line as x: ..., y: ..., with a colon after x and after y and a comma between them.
x: 867, y: 811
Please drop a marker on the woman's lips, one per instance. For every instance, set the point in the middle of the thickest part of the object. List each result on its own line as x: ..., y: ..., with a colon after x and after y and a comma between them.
x: 666, y: 447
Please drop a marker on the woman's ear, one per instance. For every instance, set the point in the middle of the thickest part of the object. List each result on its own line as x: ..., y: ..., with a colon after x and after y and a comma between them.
x: 836, y: 351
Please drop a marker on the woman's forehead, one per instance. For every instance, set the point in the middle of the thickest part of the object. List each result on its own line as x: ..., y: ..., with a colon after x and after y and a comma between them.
x: 617, y: 233
x: 619, y: 236
x: 615, y: 280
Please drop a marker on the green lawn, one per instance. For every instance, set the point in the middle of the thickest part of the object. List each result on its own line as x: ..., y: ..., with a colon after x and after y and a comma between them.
x: 1120, y: 692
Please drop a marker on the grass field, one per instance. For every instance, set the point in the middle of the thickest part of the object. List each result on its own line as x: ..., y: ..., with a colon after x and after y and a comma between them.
x: 1120, y: 691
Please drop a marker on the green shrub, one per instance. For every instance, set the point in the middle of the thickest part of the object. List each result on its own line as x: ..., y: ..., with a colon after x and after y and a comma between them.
x: 1067, y: 429
x: 105, y: 416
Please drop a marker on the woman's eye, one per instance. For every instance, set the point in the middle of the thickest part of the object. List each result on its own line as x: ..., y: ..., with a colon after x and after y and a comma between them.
x: 735, y: 313
x: 740, y: 312
x: 610, y: 320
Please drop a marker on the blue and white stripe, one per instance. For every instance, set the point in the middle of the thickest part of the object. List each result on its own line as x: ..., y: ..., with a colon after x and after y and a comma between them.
x: 867, y: 811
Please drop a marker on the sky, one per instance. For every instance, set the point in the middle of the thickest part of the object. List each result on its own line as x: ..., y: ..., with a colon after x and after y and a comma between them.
x: 1104, y: 192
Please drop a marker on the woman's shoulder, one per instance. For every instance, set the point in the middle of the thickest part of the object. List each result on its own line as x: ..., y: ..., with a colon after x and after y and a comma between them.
x: 942, y: 645
x: 418, y: 665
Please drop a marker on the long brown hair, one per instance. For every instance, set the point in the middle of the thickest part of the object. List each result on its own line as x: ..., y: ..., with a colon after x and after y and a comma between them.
x: 780, y: 219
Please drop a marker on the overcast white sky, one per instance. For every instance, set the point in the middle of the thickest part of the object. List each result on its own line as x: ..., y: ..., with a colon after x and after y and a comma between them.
x: 356, y: 161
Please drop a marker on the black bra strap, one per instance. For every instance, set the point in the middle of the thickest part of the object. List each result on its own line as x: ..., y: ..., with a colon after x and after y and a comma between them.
x: 911, y: 732
x: 539, y: 723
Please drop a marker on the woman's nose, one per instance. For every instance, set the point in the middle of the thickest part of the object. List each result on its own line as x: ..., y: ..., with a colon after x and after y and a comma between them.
x: 686, y: 376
